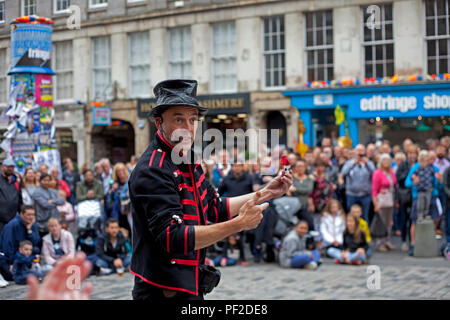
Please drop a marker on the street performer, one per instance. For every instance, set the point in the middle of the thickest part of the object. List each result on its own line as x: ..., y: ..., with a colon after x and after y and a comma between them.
x: 173, y: 203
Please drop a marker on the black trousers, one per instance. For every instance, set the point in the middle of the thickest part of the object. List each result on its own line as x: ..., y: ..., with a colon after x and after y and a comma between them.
x: 145, y: 291
x: 265, y: 230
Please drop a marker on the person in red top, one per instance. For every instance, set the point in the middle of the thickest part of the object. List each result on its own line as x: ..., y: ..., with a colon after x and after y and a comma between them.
x: 61, y: 183
x: 384, y: 185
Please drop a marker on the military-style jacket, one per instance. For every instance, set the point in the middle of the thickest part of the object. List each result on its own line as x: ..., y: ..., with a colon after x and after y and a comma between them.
x: 168, y: 200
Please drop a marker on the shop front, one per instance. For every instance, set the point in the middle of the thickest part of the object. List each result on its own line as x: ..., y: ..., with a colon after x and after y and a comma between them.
x: 375, y: 113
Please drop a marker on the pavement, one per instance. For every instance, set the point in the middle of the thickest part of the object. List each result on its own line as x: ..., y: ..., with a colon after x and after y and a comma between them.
x: 400, y: 277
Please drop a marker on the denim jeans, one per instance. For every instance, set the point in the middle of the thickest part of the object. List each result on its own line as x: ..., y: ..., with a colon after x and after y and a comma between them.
x: 303, y: 259
x: 447, y: 224
x: 363, y: 201
x: 104, y: 264
x: 350, y: 256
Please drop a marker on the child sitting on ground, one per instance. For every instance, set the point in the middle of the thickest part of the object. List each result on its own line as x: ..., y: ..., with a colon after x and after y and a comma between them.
x: 354, y: 246
x: 23, y: 263
x: 298, y: 249
x: 332, y: 225
x: 363, y: 225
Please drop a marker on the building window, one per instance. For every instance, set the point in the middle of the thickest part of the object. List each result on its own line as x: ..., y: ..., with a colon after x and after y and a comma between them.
x: 101, y: 68
x: 61, y: 6
x: 28, y: 7
x: 2, y: 11
x: 3, y: 78
x: 180, y: 53
x: 139, y: 64
x: 223, y: 58
x: 437, y: 35
x: 319, y: 45
x: 98, y: 3
x: 274, y: 52
x: 63, y: 67
x: 378, y: 43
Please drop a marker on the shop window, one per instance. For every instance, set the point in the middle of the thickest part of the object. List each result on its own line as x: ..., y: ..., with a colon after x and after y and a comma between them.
x: 180, y: 53
x: 378, y: 43
x: 319, y: 45
x: 437, y: 35
x: 66, y: 145
x: 223, y: 57
x: 274, y: 52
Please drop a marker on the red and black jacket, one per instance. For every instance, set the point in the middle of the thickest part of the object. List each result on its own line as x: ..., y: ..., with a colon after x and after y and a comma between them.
x: 167, y: 201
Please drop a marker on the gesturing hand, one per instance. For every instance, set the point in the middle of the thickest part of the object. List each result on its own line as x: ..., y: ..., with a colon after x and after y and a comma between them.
x: 277, y: 187
x: 56, y: 284
x: 250, y: 213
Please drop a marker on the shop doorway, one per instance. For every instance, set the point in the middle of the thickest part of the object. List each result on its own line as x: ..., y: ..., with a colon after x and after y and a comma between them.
x: 276, y: 120
x: 324, y: 125
x: 115, y: 142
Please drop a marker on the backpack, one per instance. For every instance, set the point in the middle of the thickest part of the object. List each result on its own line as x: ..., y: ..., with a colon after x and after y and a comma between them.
x: 86, y: 241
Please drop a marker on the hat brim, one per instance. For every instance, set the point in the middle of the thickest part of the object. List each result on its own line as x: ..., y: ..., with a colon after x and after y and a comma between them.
x: 158, y: 110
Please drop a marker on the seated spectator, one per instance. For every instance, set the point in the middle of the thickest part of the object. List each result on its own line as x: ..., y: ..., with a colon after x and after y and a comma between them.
x: 89, y: 188
x: 322, y: 192
x: 71, y: 177
x: 298, y: 249
x: 112, y: 254
x: 354, y: 246
x: 22, y: 227
x: 232, y: 242
x: 56, y: 244
x: 28, y: 186
x: 46, y: 202
x: 66, y: 213
x: 332, y: 225
x: 357, y: 211
x: 23, y: 263
x: 61, y: 184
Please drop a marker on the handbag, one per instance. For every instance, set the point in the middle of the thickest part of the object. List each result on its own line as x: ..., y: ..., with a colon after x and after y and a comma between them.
x: 377, y: 228
x: 385, y: 199
x: 404, y: 195
x: 209, y: 278
x: 125, y: 206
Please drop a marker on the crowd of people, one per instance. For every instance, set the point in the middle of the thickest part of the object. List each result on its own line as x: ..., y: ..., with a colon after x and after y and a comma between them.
x: 348, y: 202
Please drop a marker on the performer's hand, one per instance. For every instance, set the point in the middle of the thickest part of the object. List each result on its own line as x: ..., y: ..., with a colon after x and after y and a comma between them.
x: 57, y: 285
x: 277, y: 187
x: 250, y: 214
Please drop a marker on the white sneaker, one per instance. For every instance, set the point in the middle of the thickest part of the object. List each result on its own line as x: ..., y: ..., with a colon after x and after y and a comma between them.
x: 310, y: 266
x: 105, y: 271
x: 3, y: 283
x: 405, y: 247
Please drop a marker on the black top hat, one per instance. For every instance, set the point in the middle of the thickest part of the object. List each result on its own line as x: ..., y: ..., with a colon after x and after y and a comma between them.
x: 176, y: 92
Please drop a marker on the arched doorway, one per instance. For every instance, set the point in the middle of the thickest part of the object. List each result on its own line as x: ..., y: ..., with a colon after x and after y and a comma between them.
x: 115, y: 142
x: 276, y: 120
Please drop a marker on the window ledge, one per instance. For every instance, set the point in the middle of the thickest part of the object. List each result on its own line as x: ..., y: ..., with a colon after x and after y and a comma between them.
x: 136, y: 4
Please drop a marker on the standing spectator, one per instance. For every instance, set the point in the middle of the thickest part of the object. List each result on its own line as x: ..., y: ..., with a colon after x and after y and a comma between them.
x: 111, y: 251
x: 406, y: 144
x: 298, y: 249
x: 10, y: 193
x: 22, y: 227
x: 302, y: 187
x: 332, y: 225
x: 331, y: 171
x: 355, y: 246
x: 221, y: 169
x: 133, y: 162
x: 43, y: 169
x: 89, y: 188
x: 423, y: 183
x: 237, y: 183
x: 46, y: 201
x: 384, y: 185
x: 371, y: 152
x: 56, y: 244
x: 309, y: 159
x: 106, y: 176
x: 322, y: 192
x: 54, y: 172
x: 442, y: 164
x: 23, y: 262
x: 71, y: 177
x: 112, y: 199
x: 28, y: 186
x: 446, y: 187
x: 404, y: 193
x: 357, y: 173
x: 337, y: 153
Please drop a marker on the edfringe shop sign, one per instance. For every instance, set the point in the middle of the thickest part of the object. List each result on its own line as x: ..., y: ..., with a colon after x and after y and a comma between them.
x: 403, y: 104
x: 216, y: 104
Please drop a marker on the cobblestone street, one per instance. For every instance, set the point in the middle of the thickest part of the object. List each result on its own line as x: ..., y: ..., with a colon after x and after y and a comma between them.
x: 402, y: 277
